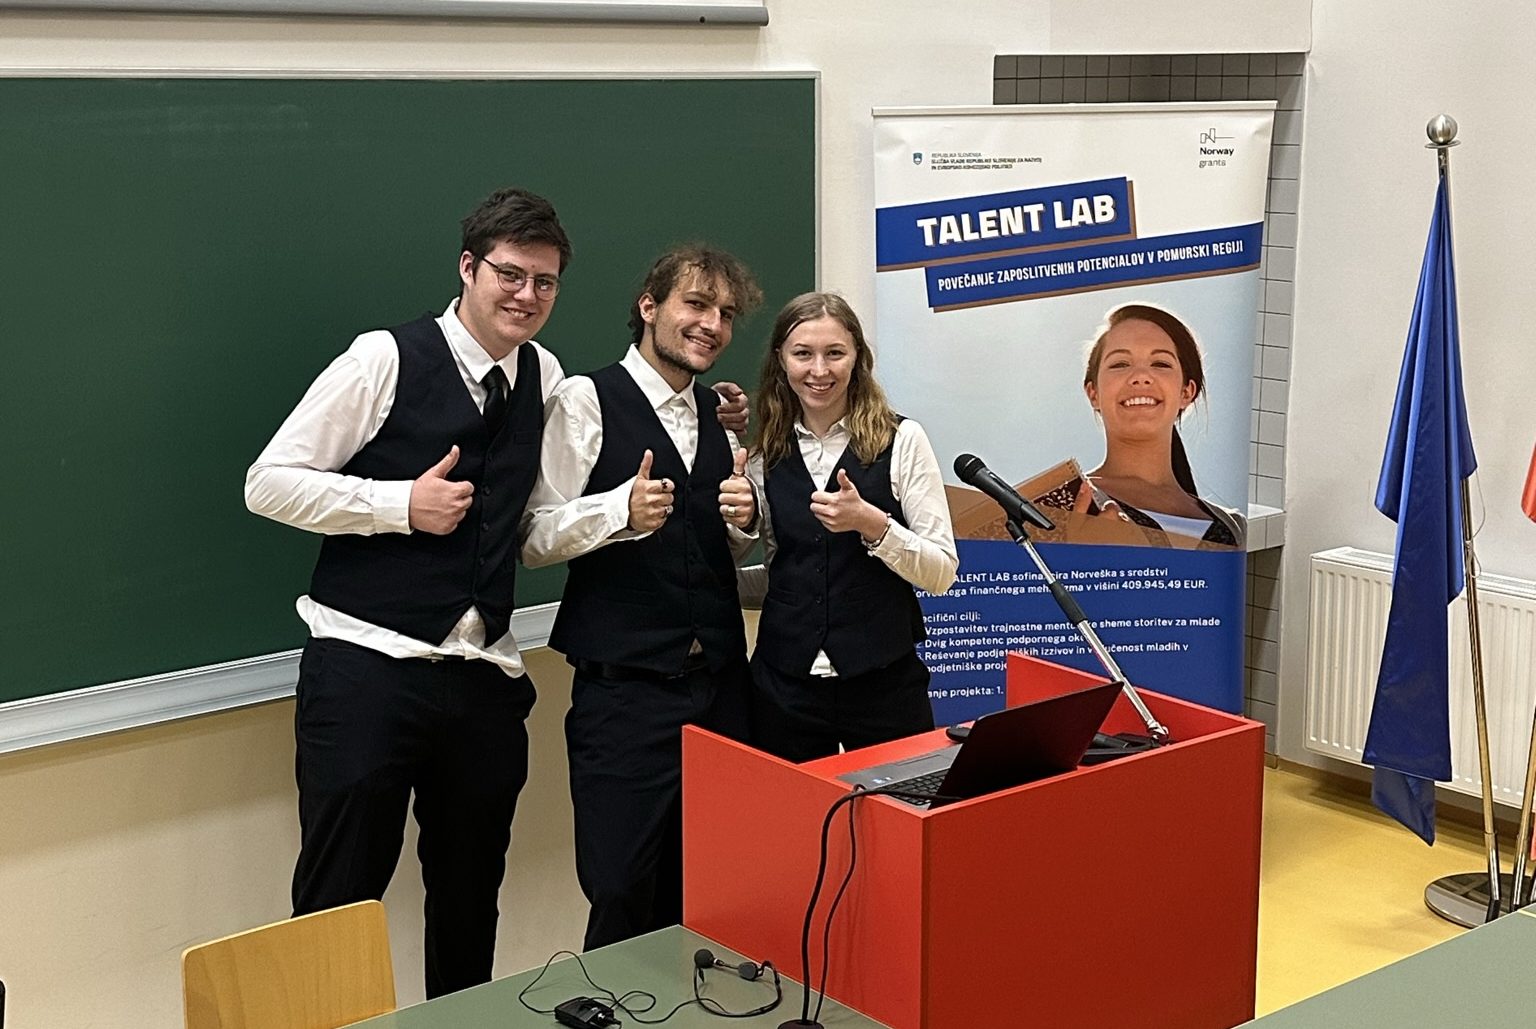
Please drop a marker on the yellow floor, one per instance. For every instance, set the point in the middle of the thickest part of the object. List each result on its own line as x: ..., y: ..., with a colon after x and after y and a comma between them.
x: 1342, y: 887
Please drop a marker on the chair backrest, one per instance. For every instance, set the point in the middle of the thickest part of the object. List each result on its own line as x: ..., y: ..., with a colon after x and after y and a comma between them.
x: 318, y: 971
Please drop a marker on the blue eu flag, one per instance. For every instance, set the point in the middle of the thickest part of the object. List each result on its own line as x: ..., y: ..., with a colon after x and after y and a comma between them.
x: 1428, y: 458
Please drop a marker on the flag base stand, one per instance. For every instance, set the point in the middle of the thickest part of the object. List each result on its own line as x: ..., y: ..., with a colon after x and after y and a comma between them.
x: 1463, y: 898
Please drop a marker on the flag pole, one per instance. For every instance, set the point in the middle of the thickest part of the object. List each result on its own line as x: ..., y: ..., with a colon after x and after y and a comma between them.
x: 1450, y: 897
x: 1520, y: 895
x: 1520, y: 892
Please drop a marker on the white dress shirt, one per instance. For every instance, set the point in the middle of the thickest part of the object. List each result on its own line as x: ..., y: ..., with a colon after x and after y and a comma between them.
x: 296, y: 479
x: 561, y: 523
x: 921, y: 552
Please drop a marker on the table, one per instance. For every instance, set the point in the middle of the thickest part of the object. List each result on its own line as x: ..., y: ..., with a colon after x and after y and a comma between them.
x: 1481, y: 978
x: 660, y: 962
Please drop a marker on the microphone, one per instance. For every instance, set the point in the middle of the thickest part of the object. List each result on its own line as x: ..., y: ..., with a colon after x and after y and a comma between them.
x: 974, y: 472
x: 703, y: 959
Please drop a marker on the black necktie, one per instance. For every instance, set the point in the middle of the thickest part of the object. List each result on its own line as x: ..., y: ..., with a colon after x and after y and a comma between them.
x: 495, y: 383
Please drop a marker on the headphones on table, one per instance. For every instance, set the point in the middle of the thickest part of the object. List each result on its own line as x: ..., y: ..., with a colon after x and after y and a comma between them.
x: 704, y: 960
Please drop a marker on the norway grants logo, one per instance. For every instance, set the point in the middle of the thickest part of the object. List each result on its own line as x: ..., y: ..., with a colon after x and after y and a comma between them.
x: 1215, y: 148
x: 917, y: 157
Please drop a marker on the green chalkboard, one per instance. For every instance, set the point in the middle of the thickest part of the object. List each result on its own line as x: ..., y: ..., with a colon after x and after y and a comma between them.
x: 180, y: 257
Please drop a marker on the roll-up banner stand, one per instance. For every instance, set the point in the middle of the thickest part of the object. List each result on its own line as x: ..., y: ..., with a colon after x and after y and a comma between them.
x: 1009, y: 241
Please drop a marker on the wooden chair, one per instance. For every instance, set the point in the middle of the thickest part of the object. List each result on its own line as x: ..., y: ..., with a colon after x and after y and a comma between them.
x: 319, y: 971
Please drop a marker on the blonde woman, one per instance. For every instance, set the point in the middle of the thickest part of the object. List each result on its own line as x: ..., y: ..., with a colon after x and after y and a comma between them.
x: 855, y: 517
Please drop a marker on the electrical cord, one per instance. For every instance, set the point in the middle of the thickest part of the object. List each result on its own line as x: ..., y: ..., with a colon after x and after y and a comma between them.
x: 522, y: 995
x: 613, y: 999
x: 821, y: 873
x: 837, y: 898
x: 719, y: 1009
x: 644, y: 1002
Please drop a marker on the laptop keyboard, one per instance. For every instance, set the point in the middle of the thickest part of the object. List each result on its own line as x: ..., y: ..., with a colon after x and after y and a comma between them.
x: 926, y: 785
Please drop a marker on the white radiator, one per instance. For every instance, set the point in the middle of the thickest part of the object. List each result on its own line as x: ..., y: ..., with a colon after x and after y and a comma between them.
x: 1351, y: 591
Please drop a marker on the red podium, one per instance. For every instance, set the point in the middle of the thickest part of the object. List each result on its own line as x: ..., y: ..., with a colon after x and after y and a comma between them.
x: 1120, y: 895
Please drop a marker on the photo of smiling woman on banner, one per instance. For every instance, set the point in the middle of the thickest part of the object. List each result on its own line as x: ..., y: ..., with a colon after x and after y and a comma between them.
x: 1143, y: 372
x: 855, y: 518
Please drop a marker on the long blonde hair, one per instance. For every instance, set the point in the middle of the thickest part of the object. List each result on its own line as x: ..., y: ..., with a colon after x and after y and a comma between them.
x: 871, y: 422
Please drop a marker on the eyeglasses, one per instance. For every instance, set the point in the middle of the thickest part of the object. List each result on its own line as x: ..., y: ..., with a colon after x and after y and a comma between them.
x: 512, y: 279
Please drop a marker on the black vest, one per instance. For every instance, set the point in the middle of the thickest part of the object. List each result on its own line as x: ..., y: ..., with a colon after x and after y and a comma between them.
x: 643, y: 602
x: 825, y: 590
x: 419, y: 584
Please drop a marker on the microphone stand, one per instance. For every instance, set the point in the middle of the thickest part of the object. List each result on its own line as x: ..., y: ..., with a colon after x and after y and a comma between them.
x: 1157, y: 733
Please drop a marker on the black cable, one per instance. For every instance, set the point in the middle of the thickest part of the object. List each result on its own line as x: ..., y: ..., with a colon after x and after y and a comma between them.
x: 821, y: 874
x: 719, y: 1009
x: 826, y: 932
x: 705, y: 1004
x: 810, y: 908
x: 623, y: 1003
x: 651, y: 1021
x: 614, y: 1000
x: 522, y: 994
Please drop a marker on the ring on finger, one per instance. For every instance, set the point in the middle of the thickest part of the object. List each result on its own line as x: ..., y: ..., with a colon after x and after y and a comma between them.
x: 730, y: 510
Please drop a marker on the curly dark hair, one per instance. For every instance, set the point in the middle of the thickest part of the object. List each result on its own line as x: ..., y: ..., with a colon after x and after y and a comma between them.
x: 710, y: 264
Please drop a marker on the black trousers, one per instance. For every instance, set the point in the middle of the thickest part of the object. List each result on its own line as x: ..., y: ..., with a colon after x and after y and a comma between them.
x: 371, y: 729
x: 802, y: 717
x: 624, y: 739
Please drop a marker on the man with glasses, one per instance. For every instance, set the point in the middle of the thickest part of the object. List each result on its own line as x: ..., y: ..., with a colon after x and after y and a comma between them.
x: 413, y: 454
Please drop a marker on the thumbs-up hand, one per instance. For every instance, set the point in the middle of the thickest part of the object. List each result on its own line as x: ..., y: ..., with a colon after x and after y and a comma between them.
x: 846, y: 511
x: 737, y: 504
x: 650, y: 500
x: 438, y: 503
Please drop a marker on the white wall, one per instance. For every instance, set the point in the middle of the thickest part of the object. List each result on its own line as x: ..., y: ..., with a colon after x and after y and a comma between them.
x: 1379, y: 70
x: 117, y: 853
x: 1181, y: 27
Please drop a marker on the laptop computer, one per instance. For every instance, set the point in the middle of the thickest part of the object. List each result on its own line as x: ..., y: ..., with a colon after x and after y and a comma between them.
x: 1004, y: 749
